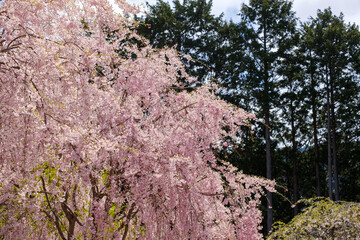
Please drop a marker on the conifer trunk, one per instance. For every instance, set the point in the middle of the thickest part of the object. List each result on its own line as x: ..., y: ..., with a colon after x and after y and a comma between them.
x: 333, y: 131
x: 329, y: 134
x: 267, y: 130
x: 268, y: 169
x: 315, y: 131
x: 316, y: 152
x: 294, y: 160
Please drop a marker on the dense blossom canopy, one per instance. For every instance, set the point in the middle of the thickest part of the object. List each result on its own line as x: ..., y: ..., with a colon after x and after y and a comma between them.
x: 97, y: 139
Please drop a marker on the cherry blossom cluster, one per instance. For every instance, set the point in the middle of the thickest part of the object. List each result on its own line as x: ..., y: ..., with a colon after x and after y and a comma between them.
x: 99, y: 139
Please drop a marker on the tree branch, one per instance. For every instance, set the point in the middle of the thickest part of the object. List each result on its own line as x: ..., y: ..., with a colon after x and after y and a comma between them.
x: 56, y: 220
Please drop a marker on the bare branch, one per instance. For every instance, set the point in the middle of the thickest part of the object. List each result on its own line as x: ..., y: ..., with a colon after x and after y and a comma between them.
x: 56, y: 220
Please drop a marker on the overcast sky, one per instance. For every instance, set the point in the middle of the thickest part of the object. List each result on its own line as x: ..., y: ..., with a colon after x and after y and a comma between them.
x: 303, y: 8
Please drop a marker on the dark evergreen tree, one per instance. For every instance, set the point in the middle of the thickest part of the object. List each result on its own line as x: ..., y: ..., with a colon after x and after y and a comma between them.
x: 311, y: 82
x: 292, y: 112
x: 267, y: 27
x: 335, y: 47
x: 190, y: 27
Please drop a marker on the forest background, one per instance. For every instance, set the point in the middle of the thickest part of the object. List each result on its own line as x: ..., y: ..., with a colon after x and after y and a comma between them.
x: 301, y: 79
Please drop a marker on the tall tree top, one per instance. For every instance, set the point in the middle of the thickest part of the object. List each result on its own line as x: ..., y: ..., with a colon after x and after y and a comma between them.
x: 190, y: 27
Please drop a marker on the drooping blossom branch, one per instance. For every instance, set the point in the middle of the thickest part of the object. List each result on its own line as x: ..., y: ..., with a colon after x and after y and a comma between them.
x: 96, y: 140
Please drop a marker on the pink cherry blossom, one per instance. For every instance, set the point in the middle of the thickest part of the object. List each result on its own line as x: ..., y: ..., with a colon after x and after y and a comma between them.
x: 95, y: 144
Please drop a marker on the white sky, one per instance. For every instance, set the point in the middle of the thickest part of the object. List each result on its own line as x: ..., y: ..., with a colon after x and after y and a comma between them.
x: 303, y: 8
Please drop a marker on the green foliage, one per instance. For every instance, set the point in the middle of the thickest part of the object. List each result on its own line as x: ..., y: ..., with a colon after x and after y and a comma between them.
x: 323, y: 219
